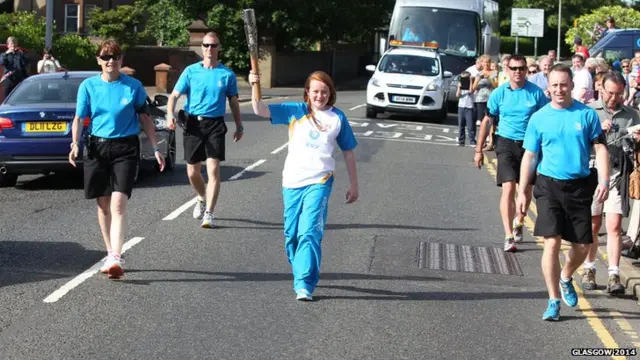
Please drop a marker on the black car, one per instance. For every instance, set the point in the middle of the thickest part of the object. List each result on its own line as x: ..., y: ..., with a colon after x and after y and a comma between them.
x: 35, y: 127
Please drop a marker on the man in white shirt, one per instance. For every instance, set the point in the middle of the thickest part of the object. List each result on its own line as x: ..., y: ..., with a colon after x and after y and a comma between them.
x: 582, y: 80
x: 48, y: 64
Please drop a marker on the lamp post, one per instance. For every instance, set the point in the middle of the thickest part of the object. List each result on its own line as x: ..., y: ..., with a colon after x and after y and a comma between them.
x: 48, y: 37
x: 559, y: 24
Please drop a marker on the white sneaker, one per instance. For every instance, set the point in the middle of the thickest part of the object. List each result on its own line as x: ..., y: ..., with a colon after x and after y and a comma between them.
x: 207, y: 220
x: 303, y: 295
x: 114, y: 267
x: 509, y: 245
x: 104, y: 267
x: 199, y: 209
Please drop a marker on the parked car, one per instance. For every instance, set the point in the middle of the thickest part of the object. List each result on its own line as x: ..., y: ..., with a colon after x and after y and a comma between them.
x: 409, y: 79
x: 617, y: 45
x: 35, y: 127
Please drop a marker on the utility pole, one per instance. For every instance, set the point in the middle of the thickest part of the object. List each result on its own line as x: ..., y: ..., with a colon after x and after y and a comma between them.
x: 48, y: 39
x: 81, y: 16
x: 559, y: 23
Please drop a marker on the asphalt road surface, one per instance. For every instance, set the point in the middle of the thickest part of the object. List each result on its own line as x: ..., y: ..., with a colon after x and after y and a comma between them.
x: 413, y: 270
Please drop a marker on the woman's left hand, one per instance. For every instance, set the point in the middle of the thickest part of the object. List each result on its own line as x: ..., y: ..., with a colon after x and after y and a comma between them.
x: 160, y: 159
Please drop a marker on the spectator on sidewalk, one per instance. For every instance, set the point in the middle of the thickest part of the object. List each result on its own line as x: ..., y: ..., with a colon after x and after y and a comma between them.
x: 579, y: 48
x: 582, y: 80
x: 540, y: 78
x: 49, y: 64
x: 15, y: 64
x: 615, y: 119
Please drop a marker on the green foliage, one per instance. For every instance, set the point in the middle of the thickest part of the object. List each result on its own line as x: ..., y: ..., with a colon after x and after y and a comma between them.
x: 120, y: 24
x: 25, y: 26
x: 228, y: 24
x: 75, y: 52
x: 166, y: 23
x: 625, y: 18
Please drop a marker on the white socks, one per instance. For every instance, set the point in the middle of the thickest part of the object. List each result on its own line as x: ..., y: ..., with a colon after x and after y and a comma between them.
x: 614, y: 270
x: 589, y: 265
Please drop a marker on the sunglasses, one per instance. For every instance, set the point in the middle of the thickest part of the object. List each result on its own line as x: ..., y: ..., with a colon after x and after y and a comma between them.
x: 108, y: 57
x: 532, y: 72
x: 518, y: 68
x: 213, y: 45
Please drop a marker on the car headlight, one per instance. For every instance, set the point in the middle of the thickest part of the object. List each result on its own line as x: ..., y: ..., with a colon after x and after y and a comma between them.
x: 375, y: 82
x: 159, y: 123
x: 434, y: 86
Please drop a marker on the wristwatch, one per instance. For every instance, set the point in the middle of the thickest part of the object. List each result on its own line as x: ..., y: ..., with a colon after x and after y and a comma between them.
x: 72, y: 144
x: 239, y: 128
x: 156, y: 149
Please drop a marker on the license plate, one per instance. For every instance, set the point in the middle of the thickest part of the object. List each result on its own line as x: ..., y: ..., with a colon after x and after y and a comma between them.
x: 46, y: 126
x: 404, y: 99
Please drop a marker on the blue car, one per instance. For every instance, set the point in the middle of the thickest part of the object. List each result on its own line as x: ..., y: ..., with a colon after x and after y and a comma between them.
x: 35, y: 127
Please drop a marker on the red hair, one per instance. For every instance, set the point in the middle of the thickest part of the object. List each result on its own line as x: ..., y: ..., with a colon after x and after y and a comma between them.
x: 324, y: 78
x: 109, y: 47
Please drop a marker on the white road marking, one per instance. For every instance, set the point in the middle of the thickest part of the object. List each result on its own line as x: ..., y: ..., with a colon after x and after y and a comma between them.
x: 439, y: 126
x: 357, y: 107
x: 279, y: 149
x: 73, y: 283
x: 175, y: 213
x: 446, y: 130
x: 407, y: 140
x: 248, y: 168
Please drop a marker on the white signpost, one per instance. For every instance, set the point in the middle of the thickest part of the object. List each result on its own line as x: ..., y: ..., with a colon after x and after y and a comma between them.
x: 527, y: 23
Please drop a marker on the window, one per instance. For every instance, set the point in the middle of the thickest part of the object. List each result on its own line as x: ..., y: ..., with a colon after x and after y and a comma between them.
x: 71, y: 18
x: 51, y: 91
x: 87, y: 10
x: 409, y: 64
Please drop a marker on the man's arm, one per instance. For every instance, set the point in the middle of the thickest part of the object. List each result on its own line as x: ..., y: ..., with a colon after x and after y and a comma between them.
x: 602, y: 163
x: 527, y: 169
x: 482, y: 135
x: 171, y: 104
x: 235, y: 111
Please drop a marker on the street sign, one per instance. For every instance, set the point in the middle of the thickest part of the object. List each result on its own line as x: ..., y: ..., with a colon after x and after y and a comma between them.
x: 527, y: 22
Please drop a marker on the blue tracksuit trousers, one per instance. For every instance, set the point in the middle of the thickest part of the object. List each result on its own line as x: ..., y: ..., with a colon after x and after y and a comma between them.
x: 305, y: 213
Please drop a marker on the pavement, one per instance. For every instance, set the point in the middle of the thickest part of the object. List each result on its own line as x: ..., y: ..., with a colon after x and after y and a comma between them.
x: 413, y: 269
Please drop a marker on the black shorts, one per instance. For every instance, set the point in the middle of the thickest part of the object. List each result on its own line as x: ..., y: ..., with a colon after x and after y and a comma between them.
x: 564, y: 209
x: 204, y: 139
x: 509, y: 153
x: 110, y: 165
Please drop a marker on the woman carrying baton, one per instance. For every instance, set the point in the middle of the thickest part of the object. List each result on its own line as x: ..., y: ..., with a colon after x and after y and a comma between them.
x: 315, y: 128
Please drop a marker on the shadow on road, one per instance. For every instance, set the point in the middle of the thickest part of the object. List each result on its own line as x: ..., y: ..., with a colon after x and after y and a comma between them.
x: 146, y: 179
x: 33, y: 261
x: 213, y: 276
x: 279, y: 225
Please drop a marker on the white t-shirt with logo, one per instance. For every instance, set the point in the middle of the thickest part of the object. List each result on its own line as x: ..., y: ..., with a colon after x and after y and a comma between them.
x: 310, y: 158
x: 48, y: 66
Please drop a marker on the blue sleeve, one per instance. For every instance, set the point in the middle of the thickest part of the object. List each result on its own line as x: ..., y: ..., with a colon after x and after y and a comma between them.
x: 183, y: 82
x: 493, y: 104
x: 346, y: 140
x: 532, y: 140
x: 83, y: 108
x: 141, y: 95
x: 232, y: 85
x: 284, y: 113
x: 595, y: 129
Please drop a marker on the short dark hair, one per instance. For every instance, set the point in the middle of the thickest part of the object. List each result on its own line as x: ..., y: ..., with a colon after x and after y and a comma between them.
x: 109, y: 46
x: 518, y: 57
x: 562, y: 68
x: 577, y: 55
x: 614, y: 77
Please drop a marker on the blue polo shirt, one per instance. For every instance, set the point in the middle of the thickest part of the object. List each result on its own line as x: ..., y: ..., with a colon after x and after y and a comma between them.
x: 564, y: 137
x: 111, y: 105
x: 207, y: 89
x: 515, y: 107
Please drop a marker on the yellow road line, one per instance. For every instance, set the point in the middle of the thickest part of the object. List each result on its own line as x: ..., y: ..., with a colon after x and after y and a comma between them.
x: 583, y: 304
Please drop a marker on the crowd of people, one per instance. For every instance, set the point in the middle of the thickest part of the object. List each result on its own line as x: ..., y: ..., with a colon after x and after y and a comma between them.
x: 566, y: 136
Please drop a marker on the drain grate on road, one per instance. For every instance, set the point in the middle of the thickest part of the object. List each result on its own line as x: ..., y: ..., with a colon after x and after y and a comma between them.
x: 465, y: 258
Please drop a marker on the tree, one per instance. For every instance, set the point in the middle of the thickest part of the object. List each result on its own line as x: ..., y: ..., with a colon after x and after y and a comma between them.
x: 75, y: 52
x: 27, y: 27
x: 625, y: 18
x: 120, y: 24
x: 166, y: 23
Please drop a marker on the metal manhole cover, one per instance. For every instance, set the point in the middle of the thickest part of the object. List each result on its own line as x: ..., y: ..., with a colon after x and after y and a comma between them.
x: 465, y: 258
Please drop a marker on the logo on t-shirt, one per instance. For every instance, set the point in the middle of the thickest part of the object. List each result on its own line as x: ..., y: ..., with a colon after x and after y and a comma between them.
x: 578, y: 126
x: 220, y: 83
x: 314, y: 135
x: 124, y: 101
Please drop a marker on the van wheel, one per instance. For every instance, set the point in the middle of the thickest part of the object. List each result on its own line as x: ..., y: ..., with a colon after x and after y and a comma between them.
x: 371, y: 112
x: 8, y: 180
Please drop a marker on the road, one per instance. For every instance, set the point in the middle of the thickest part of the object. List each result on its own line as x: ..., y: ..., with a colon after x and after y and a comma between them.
x: 414, y: 269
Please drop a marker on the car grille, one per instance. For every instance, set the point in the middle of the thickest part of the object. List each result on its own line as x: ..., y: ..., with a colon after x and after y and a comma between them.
x: 410, y: 87
x: 392, y: 99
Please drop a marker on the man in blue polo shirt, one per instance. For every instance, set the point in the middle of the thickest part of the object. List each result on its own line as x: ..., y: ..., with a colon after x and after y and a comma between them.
x: 514, y: 103
x: 207, y: 85
x: 564, y: 132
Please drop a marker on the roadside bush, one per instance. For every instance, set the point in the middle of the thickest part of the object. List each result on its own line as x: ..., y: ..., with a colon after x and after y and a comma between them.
x: 28, y: 28
x: 75, y: 52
